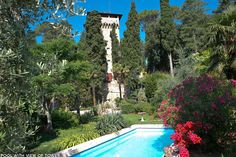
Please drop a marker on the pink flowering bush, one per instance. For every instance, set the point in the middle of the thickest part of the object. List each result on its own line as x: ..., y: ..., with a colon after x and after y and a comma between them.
x: 207, y: 102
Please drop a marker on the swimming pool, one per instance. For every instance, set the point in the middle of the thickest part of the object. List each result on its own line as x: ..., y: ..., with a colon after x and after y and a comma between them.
x: 136, y: 143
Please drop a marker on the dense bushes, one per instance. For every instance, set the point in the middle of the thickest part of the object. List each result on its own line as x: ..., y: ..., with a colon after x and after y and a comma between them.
x: 64, y: 119
x: 110, y: 123
x: 86, y: 135
x: 151, y: 83
x: 88, y: 116
x: 157, y: 85
x: 128, y: 107
x: 67, y: 138
x: 204, y: 100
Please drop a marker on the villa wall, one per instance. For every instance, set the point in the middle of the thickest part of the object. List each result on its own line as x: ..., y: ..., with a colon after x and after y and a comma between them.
x: 107, y: 21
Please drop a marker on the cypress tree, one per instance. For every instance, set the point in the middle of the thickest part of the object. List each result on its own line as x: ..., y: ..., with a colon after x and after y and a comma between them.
x: 131, y: 48
x: 95, y: 46
x: 168, y: 33
x: 131, y: 45
x: 115, y: 46
x: 192, y: 29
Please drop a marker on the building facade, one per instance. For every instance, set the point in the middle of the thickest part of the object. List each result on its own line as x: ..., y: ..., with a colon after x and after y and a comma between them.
x: 108, y: 20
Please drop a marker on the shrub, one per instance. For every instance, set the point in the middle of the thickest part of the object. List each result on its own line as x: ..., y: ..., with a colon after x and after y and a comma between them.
x: 64, y: 119
x: 207, y: 101
x: 110, y: 123
x: 144, y: 107
x: 151, y: 83
x: 87, y: 117
x: 164, y: 86
x: 76, y: 139
x: 127, y: 107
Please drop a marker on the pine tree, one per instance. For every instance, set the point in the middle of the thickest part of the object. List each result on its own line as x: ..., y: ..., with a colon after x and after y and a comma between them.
x: 116, y: 56
x: 131, y: 47
x: 150, y: 25
x: 192, y: 29
x: 95, y: 45
x: 168, y: 33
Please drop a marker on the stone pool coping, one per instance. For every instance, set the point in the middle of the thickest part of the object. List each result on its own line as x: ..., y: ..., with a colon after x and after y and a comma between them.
x: 92, y: 143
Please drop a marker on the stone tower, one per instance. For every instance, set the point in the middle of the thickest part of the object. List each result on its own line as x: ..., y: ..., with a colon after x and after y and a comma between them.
x: 108, y: 20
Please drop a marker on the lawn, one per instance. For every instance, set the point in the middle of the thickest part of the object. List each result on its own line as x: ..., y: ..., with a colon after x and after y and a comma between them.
x: 136, y: 119
x: 65, y: 138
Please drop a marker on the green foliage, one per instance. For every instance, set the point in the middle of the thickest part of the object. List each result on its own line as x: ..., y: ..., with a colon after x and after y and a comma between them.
x: 66, y: 138
x: 141, y: 95
x: 144, y: 107
x: 193, y: 26
x: 164, y: 87
x: 146, y: 17
x: 151, y: 83
x: 126, y: 107
x: 131, y: 48
x: 202, y: 61
x: 135, y: 107
x: 185, y: 66
x: 110, y: 123
x: 95, y: 47
x: 87, y: 117
x: 51, y: 31
x: 64, y: 119
x: 167, y: 27
x: 116, y: 53
x: 222, y: 41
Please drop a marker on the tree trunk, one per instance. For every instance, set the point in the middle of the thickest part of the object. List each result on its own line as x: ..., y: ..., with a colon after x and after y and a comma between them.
x: 49, y: 122
x: 171, y: 64
x: 94, y: 95
x: 77, y: 105
x: 49, y: 127
x: 120, y: 90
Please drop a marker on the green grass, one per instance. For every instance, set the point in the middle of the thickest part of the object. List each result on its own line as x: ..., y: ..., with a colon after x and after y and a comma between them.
x: 52, y: 143
x: 136, y: 119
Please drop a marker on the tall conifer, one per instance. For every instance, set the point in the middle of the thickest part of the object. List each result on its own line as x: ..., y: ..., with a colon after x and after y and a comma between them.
x: 131, y: 47
x: 116, y: 56
x: 168, y: 33
x: 192, y: 29
x: 95, y: 45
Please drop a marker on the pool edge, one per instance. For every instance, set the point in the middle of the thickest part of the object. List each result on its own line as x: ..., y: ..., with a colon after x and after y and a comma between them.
x: 92, y: 143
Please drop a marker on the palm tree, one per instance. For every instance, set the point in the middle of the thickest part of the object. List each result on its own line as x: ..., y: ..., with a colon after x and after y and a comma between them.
x: 120, y: 73
x: 222, y: 39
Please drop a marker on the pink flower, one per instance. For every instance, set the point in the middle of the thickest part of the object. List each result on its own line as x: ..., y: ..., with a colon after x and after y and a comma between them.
x: 222, y: 101
x: 233, y: 82
x: 183, y: 152
x: 213, y: 105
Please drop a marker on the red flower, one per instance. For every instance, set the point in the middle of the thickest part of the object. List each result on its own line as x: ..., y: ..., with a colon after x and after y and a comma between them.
x: 183, y: 152
x: 194, y: 138
x: 176, y: 136
x: 189, y: 125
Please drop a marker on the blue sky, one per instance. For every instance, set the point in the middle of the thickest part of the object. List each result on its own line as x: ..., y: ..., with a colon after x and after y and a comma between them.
x: 123, y: 7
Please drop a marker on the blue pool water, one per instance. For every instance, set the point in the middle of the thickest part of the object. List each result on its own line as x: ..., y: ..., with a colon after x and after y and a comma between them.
x: 136, y: 143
